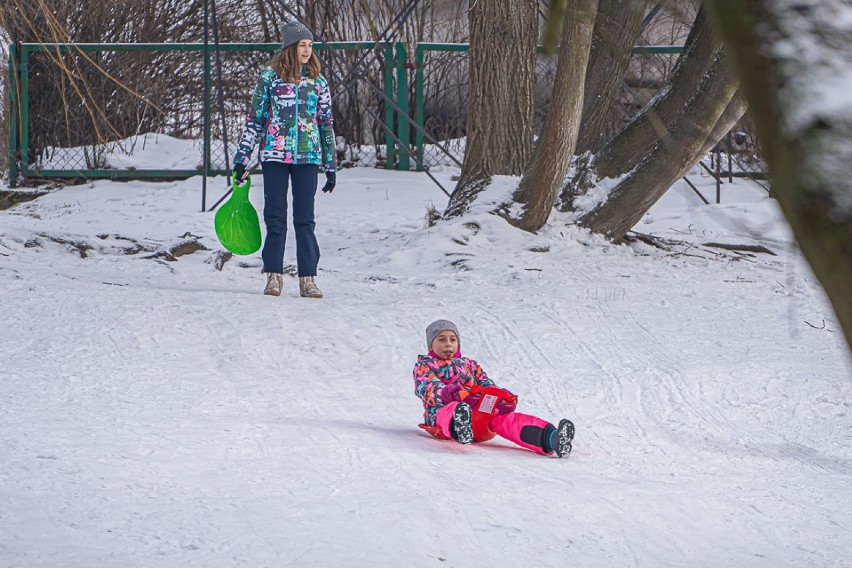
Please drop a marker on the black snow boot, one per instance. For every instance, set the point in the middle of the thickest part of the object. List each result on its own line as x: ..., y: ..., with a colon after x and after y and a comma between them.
x: 461, y: 427
x: 561, y: 438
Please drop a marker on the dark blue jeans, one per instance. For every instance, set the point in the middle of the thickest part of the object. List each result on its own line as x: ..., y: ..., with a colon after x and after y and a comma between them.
x: 276, y: 178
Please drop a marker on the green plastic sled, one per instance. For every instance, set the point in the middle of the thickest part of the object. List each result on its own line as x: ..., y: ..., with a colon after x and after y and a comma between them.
x: 236, y: 221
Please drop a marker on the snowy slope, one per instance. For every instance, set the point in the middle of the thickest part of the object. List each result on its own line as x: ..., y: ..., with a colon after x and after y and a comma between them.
x: 164, y: 413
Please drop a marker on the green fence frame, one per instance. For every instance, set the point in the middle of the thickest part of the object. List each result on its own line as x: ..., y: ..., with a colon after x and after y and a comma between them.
x: 13, y: 114
x: 397, y: 118
x: 19, y: 55
x: 422, y: 48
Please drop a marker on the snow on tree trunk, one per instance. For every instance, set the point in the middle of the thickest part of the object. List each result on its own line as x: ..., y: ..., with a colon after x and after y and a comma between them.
x: 652, y: 125
x: 672, y: 157
x: 544, y: 174
x: 795, y: 62
x: 503, y: 38
x: 644, y: 132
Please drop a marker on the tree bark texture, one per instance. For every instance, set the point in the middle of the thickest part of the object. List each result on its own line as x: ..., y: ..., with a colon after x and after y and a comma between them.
x: 669, y: 161
x: 617, y: 28
x: 546, y: 171
x: 652, y: 125
x: 645, y: 131
x: 735, y: 110
x: 807, y: 150
x: 503, y: 38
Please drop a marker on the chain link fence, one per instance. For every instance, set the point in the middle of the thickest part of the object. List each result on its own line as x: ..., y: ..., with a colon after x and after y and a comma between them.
x: 72, y: 115
x: 104, y: 110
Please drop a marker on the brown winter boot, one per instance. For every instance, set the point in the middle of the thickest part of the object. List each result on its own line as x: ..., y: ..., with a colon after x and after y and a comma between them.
x: 308, y: 287
x: 273, y: 285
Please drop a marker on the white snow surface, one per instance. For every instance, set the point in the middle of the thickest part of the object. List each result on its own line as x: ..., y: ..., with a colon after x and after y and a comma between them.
x: 157, y: 413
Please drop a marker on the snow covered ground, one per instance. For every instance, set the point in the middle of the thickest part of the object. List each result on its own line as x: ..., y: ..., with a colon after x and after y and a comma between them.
x: 159, y: 412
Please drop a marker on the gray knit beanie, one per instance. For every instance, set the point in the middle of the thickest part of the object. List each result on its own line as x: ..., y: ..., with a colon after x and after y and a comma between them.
x: 294, y: 32
x: 437, y: 327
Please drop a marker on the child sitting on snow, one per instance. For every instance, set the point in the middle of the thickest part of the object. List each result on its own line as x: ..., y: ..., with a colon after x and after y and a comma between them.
x: 443, y: 380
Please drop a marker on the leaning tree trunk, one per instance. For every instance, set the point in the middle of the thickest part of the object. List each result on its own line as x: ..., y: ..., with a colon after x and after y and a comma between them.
x: 634, y: 195
x: 617, y: 27
x: 735, y: 110
x: 643, y: 133
x: 503, y: 37
x: 650, y: 127
x: 792, y: 57
x: 545, y: 172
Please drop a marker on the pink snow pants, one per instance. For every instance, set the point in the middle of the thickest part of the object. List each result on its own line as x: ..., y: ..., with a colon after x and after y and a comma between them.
x: 507, y: 426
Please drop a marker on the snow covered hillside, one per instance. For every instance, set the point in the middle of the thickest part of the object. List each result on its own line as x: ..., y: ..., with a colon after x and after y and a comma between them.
x: 156, y: 411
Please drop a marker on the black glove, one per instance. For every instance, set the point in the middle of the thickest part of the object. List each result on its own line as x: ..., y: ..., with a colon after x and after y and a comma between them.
x: 240, y: 172
x: 330, y: 182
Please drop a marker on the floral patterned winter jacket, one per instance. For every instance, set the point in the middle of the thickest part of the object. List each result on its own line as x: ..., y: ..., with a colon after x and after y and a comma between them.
x: 294, y: 121
x: 432, y: 373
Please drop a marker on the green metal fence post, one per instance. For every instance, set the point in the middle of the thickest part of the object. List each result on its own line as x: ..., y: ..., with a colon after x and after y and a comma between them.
x: 402, y: 103
x: 207, y: 125
x: 24, y: 105
x: 418, y: 105
x: 13, y: 116
x: 389, y: 143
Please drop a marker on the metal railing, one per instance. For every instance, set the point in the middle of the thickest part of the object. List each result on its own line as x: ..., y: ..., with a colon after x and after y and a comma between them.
x: 20, y: 56
x: 401, y: 72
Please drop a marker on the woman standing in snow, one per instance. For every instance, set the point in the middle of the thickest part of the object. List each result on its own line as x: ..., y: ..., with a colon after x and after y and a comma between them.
x: 291, y: 113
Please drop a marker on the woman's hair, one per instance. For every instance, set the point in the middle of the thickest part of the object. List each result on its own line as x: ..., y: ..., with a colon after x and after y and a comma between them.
x: 286, y: 64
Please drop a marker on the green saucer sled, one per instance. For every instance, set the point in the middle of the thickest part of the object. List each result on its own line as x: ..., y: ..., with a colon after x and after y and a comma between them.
x: 236, y: 221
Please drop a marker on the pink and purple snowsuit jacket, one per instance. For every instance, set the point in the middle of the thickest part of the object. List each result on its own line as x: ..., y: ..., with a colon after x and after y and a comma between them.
x: 432, y: 373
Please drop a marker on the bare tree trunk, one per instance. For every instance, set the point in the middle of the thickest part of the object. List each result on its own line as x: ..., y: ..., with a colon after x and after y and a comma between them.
x: 735, y: 110
x: 617, y: 27
x: 634, y: 195
x: 805, y: 140
x: 503, y: 37
x: 645, y: 131
x: 650, y: 127
x: 544, y: 174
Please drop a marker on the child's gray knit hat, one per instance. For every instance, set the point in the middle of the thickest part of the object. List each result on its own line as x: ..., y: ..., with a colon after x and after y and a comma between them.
x: 437, y: 327
x: 294, y: 32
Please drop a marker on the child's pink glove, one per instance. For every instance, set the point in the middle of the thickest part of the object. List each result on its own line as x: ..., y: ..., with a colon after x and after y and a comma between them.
x: 450, y: 393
